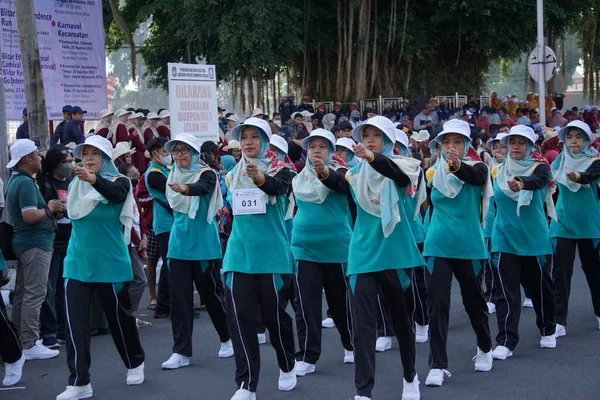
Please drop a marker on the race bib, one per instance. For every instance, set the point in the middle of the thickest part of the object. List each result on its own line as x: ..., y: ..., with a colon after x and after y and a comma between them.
x: 249, y: 201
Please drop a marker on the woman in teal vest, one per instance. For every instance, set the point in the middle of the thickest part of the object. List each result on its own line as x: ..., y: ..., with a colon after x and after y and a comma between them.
x: 521, y: 237
x: 257, y: 264
x: 100, y: 205
x: 576, y: 171
x: 320, y: 192
x: 458, y: 184
x: 195, y: 197
x: 382, y: 250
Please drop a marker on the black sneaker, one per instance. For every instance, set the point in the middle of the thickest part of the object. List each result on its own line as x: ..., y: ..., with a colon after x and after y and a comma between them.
x: 51, y: 343
x: 161, y: 315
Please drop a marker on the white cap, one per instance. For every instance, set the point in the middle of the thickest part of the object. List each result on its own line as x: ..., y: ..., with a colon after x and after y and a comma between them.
x: 102, y: 144
x: 234, y: 118
x: 186, y: 138
x: 323, y: 133
x: 582, y: 126
x: 136, y: 116
x: 379, y: 122
x: 520, y: 130
x: 232, y: 144
x: 164, y: 114
x: 19, y: 149
x: 402, y: 138
x: 345, y: 142
x: 498, y: 138
x: 106, y: 113
x: 121, y: 149
x: 421, y: 136
x: 121, y: 112
x: 257, y: 111
x: 280, y: 143
x: 307, y: 113
x: 152, y: 115
x: 457, y: 126
x: 236, y: 132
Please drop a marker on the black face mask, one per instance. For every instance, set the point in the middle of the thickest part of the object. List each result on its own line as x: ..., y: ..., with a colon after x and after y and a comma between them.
x: 134, y: 182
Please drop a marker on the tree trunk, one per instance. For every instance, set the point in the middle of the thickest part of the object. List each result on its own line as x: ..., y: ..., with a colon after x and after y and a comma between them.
x: 242, y: 94
x: 341, y: 28
x: 275, y: 91
x: 250, y: 84
x: 234, y: 88
x: 374, y: 52
x: 403, y: 31
x: 407, y: 81
x: 349, y: 51
x: 32, y: 73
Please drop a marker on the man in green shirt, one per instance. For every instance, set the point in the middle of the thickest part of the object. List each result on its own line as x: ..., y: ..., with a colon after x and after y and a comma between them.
x: 33, y: 239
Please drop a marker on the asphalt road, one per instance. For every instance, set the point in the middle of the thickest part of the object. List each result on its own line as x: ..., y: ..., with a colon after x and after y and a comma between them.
x: 571, y: 371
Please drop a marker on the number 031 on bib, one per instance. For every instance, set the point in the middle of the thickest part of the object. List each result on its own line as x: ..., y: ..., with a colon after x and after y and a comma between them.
x: 249, y: 201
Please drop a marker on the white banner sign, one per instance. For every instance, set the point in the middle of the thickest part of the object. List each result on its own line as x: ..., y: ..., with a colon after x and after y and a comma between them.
x: 71, y: 42
x: 193, y: 101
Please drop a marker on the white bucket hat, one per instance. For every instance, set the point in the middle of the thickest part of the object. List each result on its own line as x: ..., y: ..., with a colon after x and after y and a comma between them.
x: 106, y: 113
x: 379, y: 122
x: 402, y: 138
x: 421, y: 136
x: 307, y: 113
x: 232, y: 145
x: 457, y: 126
x: 280, y: 143
x: 136, y: 116
x: 233, y: 118
x: 323, y: 133
x: 255, y: 122
x: 152, y: 115
x: 582, y: 126
x: 257, y: 111
x: 164, y: 114
x: 520, y: 130
x: 345, y: 142
x: 102, y: 144
x: 498, y: 138
x: 19, y: 149
x: 121, y: 149
x: 121, y: 112
x: 186, y: 138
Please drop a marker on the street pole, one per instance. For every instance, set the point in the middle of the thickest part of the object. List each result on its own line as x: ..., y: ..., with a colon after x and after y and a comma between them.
x: 541, y: 59
x: 32, y: 73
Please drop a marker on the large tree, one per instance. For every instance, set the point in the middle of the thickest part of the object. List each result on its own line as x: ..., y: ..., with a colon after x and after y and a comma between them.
x: 342, y: 49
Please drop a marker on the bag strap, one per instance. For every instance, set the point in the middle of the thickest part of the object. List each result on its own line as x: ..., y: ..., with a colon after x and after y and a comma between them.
x: 164, y: 205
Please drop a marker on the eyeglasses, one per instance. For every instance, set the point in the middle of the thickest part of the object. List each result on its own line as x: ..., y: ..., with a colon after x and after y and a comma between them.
x: 181, y: 151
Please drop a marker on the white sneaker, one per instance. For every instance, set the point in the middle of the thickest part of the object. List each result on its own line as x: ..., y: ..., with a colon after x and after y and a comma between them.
x: 303, y: 368
x: 548, y: 342
x: 262, y: 338
x: 243, y: 394
x: 483, y: 361
x: 411, y: 389
x: 328, y: 323
x: 421, y: 333
x: 361, y: 398
x: 226, y: 349
x: 527, y: 303
x: 436, y: 377
x: 501, y: 353
x: 39, y: 352
x: 135, y: 376
x: 287, y: 380
x: 561, y: 330
x: 76, y: 393
x: 176, y: 361
x: 13, y: 371
x: 491, y: 308
x: 383, y: 343
x: 348, y: 357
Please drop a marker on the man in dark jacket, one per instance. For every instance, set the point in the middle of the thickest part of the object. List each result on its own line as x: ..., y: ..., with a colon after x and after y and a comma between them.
x: 23, y: 130
x: 71, y: 131
x: 306, y: 106
x: 287, y: 108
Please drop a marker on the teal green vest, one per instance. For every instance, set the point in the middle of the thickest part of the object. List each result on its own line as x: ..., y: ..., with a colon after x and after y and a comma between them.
x: 454, y: 230
x: 524, y: 235
x: 162, y: 220
x: 322, y: 232
x: 97, y: 251
x: 578, y: 213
